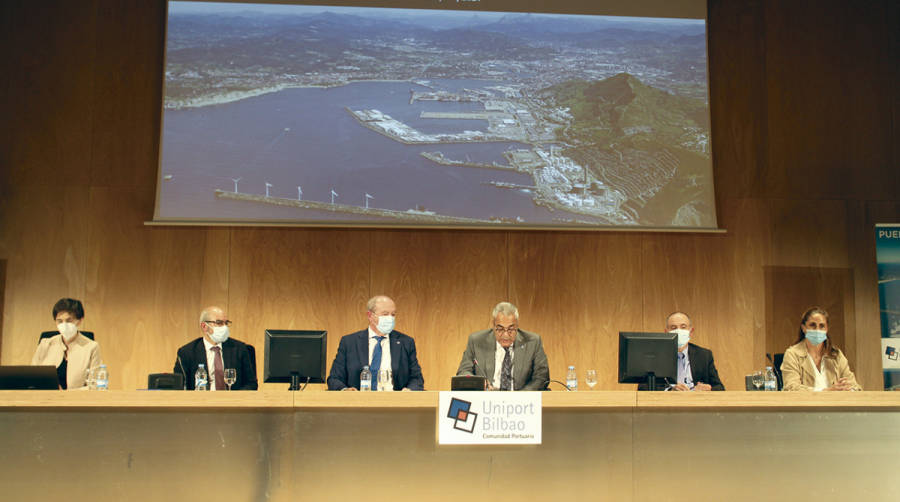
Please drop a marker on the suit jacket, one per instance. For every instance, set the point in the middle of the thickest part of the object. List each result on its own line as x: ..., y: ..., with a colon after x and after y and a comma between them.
x: 234, y: 355
x: 797, y: 372
x: 530, y: 368
x: 83, y: 353
x: 353, y: 354
x: 703, y: 368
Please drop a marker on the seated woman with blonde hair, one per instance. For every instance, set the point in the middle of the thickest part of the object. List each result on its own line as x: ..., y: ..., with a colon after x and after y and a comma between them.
x: 813, y: 363
x: 70, y: 352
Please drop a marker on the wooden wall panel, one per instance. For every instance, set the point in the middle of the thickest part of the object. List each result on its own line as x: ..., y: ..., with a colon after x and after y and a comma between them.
x: 52, y: 74
x: 143, y: 285
x: 131, y: 127
x: 736, y: 51
x: 216, y: 270
x: 803, y: 100
x: 578, y: 290
x: 445, y: 284
x: 828, y: 68
x: 2, y: 299
x: 748, y: 248
x: 46, y: 234
x: 809, y: 233
x: 298, y: 279
x: 693, y: 274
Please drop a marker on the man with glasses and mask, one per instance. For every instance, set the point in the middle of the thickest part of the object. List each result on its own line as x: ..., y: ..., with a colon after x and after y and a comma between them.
x: 510, y: 358
x: 696, y: 367
x: 217, y: 351
x: 379, y: 347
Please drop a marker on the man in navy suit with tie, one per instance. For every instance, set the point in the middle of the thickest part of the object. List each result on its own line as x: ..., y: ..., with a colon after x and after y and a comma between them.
x: 378, y: 347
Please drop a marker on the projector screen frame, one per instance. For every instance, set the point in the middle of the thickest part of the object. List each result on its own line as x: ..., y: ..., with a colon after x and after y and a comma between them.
x: 685, y: 9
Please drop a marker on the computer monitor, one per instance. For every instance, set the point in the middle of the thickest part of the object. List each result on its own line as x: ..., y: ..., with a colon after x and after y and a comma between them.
x: 648, y: 357
x: 28, y: 378
x: 294, y: 356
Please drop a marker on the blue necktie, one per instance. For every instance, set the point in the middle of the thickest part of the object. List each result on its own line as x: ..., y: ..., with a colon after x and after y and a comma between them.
x: 376, y: 361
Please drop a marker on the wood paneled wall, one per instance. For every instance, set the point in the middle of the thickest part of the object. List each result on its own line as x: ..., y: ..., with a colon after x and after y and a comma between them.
x: 804, y: 106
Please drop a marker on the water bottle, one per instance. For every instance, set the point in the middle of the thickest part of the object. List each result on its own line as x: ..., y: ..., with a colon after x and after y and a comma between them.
x: 102, y: 382
x: 201, y: 378
x: 571, y: 379
x: 771, y: 381
x: 365, y: 379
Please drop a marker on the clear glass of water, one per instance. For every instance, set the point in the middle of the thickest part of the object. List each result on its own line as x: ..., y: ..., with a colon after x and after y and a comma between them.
x: 230, y: 377
x: 90, y: 378
x: 758, y: 379
x: 385, y: 380
x: 590, y: 378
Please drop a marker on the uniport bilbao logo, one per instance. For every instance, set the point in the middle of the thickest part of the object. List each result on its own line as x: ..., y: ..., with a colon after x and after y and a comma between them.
x: 463, y: 416
x: 475, y: 417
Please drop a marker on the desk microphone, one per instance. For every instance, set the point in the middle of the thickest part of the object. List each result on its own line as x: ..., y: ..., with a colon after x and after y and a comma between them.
x: 557, y: 381
x: 183, y: 374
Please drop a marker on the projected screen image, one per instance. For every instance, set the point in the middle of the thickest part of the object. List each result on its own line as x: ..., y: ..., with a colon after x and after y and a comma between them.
x: 342, y: 116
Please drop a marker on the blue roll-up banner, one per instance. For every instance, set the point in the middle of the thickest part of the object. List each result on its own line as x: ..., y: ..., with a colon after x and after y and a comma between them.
x: 887, y: 250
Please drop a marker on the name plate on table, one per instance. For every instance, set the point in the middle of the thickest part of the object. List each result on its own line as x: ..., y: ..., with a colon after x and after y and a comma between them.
x: 489, y: 418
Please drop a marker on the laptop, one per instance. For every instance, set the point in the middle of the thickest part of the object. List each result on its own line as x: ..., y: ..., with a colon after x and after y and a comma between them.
x: 28, y: 378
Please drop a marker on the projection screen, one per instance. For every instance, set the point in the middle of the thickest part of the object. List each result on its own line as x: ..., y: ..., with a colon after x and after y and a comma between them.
x: 457, y: 114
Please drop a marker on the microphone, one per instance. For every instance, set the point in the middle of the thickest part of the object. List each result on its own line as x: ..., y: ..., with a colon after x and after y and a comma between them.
x: 475, y: 374
x: 183, y: 374
x: 561, y: 383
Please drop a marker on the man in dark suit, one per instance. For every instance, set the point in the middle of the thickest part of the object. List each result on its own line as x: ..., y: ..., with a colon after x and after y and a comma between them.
x: 379, y: 347
x: 510, y: 358
x: 217, y: 351
x: 696, y: 368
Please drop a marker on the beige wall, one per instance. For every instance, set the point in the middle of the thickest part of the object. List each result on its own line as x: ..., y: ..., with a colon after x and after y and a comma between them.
x: 803, y: 99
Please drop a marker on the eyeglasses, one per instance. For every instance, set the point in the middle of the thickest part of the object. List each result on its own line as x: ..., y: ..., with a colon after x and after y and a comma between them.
x: 510, y: 330
x: 219, y: 323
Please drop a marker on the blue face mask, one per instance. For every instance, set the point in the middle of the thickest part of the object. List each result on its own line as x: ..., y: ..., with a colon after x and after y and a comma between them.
x: 816, y: 337
x: 385, y: 324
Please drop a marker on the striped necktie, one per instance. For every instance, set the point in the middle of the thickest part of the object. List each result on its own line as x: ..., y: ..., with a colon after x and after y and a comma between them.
x: 506, y: 371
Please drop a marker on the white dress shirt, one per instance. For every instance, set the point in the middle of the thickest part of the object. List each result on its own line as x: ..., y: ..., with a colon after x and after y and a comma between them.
x: 499, y: 354
x: 385, y: 352
x: 211, y: 362
x: 821, y: 379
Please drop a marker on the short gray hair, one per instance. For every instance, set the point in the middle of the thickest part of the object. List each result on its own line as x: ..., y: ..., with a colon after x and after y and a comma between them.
x: 505, y: 308
x: 370, y: 305
x: 677, y: 312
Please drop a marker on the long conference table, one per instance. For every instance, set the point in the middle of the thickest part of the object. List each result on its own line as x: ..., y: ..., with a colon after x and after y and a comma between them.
x: 314, y: 445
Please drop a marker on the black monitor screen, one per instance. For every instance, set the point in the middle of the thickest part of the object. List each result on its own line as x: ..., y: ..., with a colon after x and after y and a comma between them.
x: 297, y: 352
x: 28, y: 378
x: 647, y: 354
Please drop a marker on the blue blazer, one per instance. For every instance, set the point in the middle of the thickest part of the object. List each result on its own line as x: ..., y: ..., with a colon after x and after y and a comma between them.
x: 353, y: 354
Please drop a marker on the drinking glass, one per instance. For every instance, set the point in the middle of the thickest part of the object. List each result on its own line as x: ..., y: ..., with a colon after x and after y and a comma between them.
x: 89, y: 378
x: 385, y: 381
x: 230, y: 377
x: 590, y: 378
x: 757, y: 379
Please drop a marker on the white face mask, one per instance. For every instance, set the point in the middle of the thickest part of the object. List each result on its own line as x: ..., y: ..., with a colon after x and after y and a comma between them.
x: 68, y: 330
x: 219, y: 334
x: 684, y: 336
x: 385, y: 324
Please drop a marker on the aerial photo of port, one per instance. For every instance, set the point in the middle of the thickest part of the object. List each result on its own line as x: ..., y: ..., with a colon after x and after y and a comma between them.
x: 340, y: 115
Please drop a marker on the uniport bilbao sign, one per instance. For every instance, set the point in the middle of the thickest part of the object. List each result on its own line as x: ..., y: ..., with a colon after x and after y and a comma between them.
x: 489, y: 418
